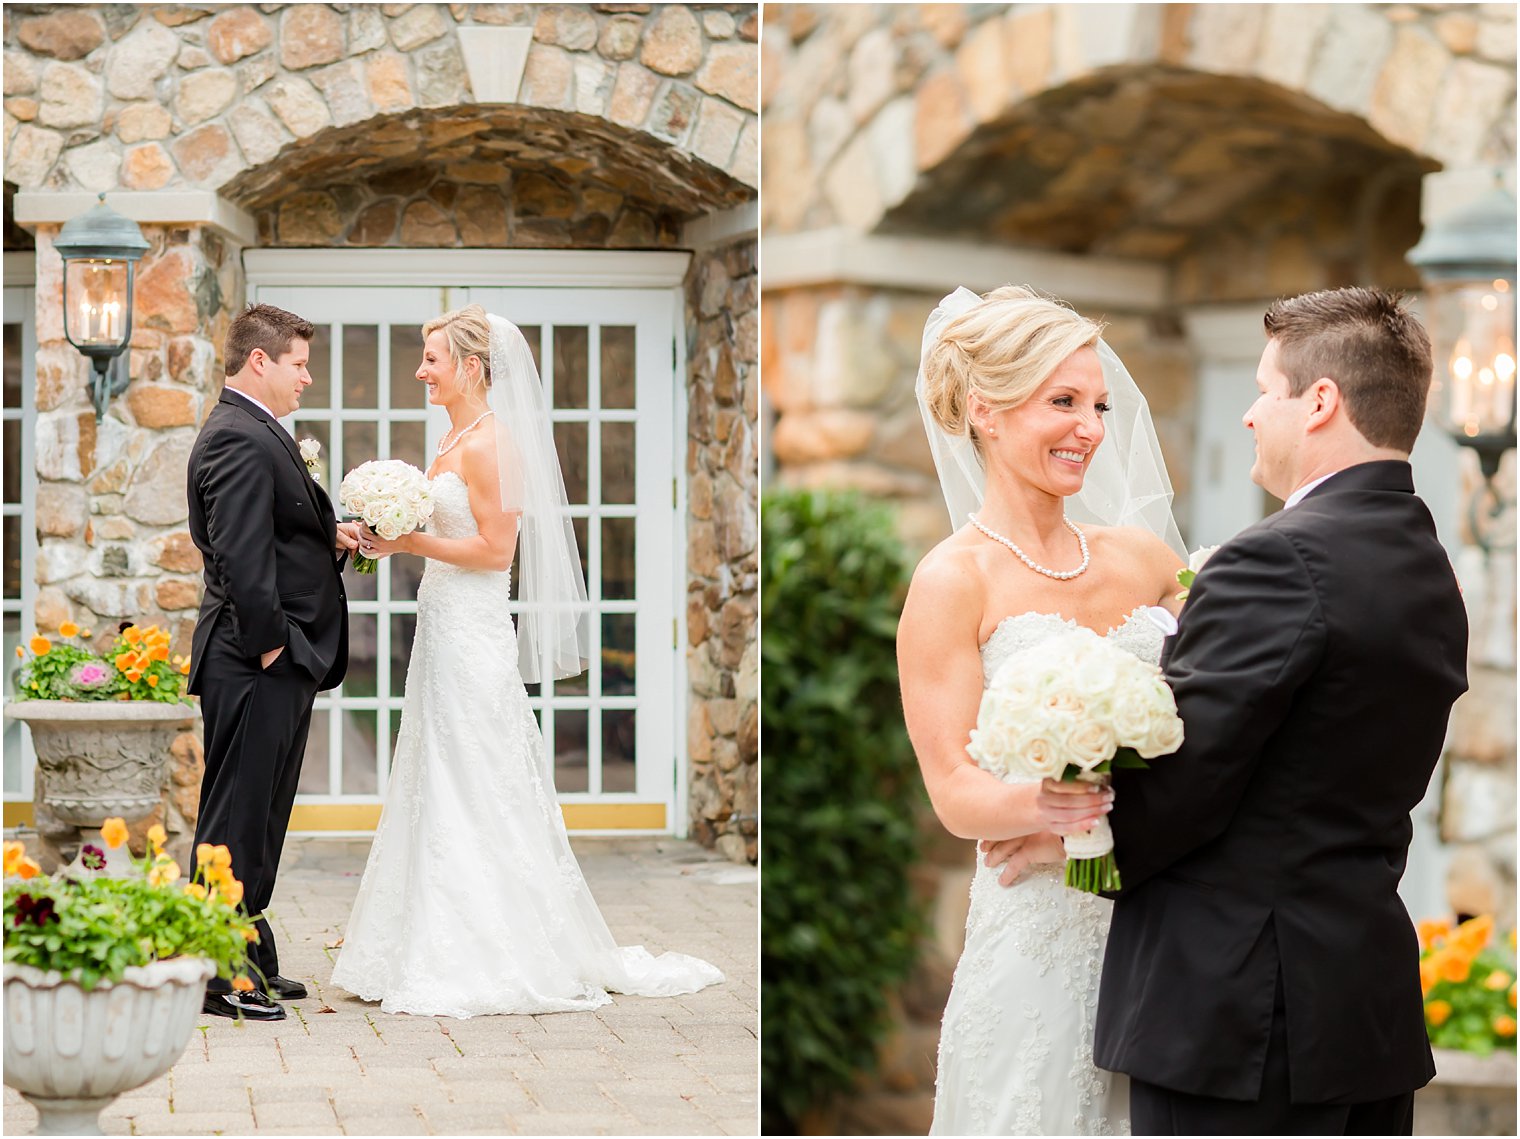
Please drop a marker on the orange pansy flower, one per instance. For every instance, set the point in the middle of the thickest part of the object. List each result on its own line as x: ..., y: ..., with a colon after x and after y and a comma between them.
x: 242, y: 984
x: 1437, y: 1012
x: 184, y: 669
x: 40, y: 645
x: 123, y: 662
x: 131, y: 634
x: 152, y: 681
x: 133, y: 675
x: 1497, y: 981
x: 1454, y: 967
x: 195, y: 890
x: 1473, y: 934
x: 1504, y: 1025
x: 114, y: 832
x: 160, y: 653
x: 68, y: 629
x: 1432, y: 930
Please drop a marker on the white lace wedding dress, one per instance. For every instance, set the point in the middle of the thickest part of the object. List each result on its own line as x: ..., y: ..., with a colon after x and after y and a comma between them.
x: 1016, y: 1043
x: 471, y: 900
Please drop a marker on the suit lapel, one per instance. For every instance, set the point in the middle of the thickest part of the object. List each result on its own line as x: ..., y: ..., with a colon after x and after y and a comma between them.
x: 291, y: 449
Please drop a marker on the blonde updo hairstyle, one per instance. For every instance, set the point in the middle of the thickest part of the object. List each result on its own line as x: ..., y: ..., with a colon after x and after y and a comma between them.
x: 467, y: 333
x: 1002, y: 350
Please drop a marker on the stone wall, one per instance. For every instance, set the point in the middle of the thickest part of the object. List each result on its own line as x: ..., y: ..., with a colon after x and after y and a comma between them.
x: 1478, y: 779
x: 111, y: 510
x: 866, y: 105
x: 132, y: 97
x: 722, y: 604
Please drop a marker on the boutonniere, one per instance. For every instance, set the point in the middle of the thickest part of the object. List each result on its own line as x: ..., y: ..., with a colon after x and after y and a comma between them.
x: 311, y: 451
x: 1196, y: 562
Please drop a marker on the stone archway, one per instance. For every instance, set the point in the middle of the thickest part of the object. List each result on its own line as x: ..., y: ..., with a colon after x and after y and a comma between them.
x: 482, y: 177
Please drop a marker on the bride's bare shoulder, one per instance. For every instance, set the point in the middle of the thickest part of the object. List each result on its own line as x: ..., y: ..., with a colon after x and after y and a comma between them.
x: 951, y: 573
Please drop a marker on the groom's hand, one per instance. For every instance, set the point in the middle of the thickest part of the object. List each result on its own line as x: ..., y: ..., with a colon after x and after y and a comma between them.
x: 349, y: 534
x: 1016, y: 855
x: 1072, y: 808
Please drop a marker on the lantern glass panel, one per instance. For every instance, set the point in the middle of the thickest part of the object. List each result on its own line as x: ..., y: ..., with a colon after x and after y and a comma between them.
x: 97, y: 302
x: 1473, y: 333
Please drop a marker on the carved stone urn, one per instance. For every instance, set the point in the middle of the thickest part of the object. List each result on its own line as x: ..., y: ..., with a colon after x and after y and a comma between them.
x: 70, y: 1051
x: 99, y: 760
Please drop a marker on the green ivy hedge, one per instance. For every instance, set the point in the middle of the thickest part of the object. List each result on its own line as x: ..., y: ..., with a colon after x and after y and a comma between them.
x: 839, y: 923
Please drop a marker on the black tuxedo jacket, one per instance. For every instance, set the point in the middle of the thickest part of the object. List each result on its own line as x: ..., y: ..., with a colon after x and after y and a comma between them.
x: 268, y: 533
x: 1316, y: 663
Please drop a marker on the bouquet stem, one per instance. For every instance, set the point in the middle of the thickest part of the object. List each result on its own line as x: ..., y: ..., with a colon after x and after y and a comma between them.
x: 363, y: 564
x: 1093, y: 875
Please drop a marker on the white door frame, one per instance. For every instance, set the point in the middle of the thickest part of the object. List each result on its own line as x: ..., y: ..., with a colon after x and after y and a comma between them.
x: 478, y: 274
x: 20, y: 299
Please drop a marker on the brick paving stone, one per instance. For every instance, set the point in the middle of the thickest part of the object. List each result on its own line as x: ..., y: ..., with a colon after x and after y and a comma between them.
x: 622, y: 1069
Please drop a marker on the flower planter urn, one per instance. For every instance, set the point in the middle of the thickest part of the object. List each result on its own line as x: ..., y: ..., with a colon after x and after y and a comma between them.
x: 98, y: 760
x: 70, y: 1052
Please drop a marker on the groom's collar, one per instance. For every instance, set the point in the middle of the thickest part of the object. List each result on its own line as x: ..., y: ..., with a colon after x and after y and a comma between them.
x: 1298, y: 495
x: 229, y: 389
x: 1380, y: 474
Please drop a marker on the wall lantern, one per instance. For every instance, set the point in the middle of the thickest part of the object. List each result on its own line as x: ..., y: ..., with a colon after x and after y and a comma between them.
x: 100, y: 249
x: 1468, y: 263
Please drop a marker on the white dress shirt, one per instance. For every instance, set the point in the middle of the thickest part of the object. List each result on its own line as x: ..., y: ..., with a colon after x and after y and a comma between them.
x: 1298, y: 495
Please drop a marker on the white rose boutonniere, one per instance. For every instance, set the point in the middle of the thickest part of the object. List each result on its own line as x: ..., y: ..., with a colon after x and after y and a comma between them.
x: 311, y: 452
x: 1196, y: 561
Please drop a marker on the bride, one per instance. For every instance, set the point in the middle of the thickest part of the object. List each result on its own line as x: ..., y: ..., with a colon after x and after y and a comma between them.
x: 1018, y: 393
x: 472, y: 901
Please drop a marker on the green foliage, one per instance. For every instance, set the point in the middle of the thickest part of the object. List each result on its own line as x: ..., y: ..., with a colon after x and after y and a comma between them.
x: 52, y: 675
x: 139, y: 667
x: 1469, y: 990
x: 93, y: 928
x: 148, y: 672
x: 840, y: 791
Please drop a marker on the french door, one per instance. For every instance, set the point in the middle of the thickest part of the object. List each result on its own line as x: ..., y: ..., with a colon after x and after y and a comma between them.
x: 605, y: 357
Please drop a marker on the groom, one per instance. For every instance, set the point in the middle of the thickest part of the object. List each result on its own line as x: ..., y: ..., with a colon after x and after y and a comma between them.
x: 1262, y: 975
x: 273, y: 624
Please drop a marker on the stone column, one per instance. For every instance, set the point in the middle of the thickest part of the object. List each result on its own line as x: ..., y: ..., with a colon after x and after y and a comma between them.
x: 722, y: 605
x: 111, y: 501
x: 1478, y: 783
x: 1478, y: 780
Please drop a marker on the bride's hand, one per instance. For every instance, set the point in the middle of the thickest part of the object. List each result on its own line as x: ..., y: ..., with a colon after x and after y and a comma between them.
x: 1016, y: 855
x: 1072, y: 808
x: 371, y: 545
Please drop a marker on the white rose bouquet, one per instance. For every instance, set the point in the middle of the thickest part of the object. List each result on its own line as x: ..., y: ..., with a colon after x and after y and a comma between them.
x: 1074, y: 707
x: 392, y: 498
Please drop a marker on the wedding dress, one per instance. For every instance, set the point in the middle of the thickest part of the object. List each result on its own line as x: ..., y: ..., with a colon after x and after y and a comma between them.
x: 472, y: 901
x: 1016, y: 1043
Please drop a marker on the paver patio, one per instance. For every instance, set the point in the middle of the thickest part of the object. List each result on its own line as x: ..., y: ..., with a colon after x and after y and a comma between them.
x: 675, y: 1065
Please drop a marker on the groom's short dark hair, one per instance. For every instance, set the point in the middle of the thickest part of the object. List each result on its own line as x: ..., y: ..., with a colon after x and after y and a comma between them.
x: 266, y: 327
x: 1371, y: 345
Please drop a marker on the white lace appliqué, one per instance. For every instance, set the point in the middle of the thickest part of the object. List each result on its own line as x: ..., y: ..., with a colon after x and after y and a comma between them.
x: 472, y: 901
x: 1016, y: 1044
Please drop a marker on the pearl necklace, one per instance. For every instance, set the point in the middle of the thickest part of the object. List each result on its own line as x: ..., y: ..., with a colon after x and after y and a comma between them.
x: 1030, y: 562
x: 445, y: 448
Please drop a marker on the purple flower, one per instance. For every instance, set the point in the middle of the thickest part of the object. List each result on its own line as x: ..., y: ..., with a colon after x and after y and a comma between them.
x: 37, y: 910
x: 92, y: 856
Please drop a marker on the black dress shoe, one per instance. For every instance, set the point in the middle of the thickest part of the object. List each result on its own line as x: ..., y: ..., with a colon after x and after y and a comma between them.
x: 249, y: 1006
x: 284, y: 989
